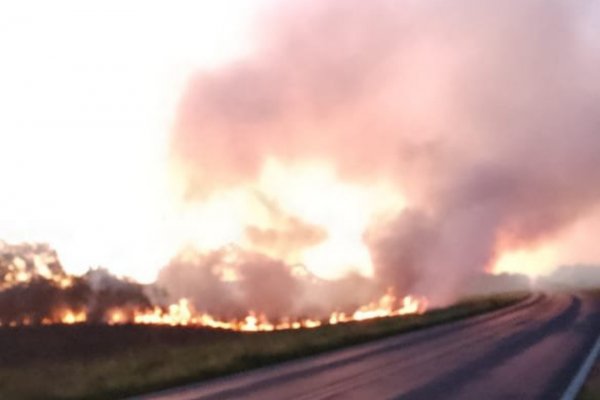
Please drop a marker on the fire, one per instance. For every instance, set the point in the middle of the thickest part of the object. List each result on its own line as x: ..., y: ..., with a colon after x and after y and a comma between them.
x: 99, y: 297
x: 177, y: 314
x: 71, y: 317
x: 182, y: 314
x: 387, y: 306
x: 66, y: 317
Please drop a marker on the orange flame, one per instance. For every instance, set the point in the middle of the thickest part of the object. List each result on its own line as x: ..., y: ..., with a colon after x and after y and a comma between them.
x: 71, y: 317
x: 181, y: 313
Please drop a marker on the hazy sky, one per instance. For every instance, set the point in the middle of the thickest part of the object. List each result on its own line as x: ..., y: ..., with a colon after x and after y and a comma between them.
x: 88, y: 91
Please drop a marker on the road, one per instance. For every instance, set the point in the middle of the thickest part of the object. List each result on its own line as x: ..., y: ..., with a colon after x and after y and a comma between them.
x: 530, y: 350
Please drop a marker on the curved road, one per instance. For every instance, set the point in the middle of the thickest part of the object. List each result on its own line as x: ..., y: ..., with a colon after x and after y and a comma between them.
x: 530, y: 350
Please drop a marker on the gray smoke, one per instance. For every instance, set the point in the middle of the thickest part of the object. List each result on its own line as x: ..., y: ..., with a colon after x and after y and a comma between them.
x: 231, y: 281
x: 485, y: 114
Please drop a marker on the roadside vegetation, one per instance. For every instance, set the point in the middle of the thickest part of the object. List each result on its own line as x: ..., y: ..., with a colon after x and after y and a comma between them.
x: 108, y: 362
x: 591, y: 389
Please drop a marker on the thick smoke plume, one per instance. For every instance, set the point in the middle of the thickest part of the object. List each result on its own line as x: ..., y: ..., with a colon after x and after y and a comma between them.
x: 484, y: 114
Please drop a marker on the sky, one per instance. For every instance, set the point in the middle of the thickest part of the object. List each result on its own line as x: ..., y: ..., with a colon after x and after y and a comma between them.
x: 98, y: 99
x: 88, y: 94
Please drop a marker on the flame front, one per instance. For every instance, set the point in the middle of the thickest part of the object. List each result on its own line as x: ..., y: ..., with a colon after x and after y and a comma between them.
x: 41, y: 293
x: 71, y: 317
x: 183, y: 314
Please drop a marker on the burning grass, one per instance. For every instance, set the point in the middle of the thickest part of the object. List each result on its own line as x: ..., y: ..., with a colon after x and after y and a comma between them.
x: 107, y: 362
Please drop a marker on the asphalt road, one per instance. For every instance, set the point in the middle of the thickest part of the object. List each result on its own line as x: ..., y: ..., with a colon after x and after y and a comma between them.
x: 528, y: 351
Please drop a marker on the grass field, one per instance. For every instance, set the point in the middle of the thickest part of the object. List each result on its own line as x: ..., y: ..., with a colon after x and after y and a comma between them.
x: 108, y: 362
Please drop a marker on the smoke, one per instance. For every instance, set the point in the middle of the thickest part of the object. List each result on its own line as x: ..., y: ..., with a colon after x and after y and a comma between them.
x: 288, y: 236
x: 231, y: 281
x: 572, y: 276
x: 109, y: 293
x: 484, y: 115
